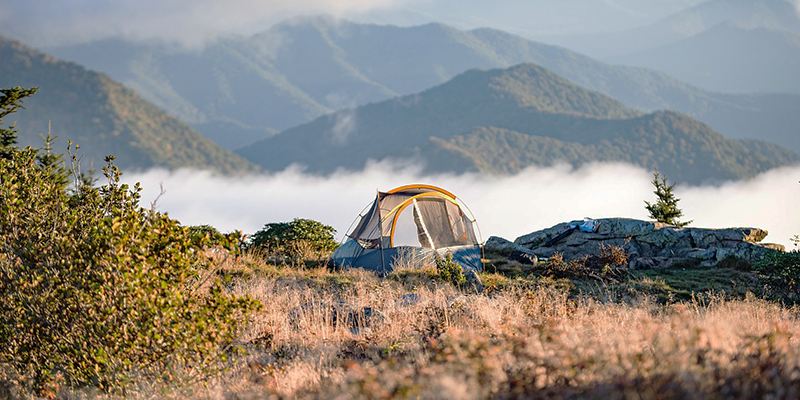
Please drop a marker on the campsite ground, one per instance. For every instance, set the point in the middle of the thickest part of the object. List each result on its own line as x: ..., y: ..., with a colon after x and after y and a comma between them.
x: 684, y: 333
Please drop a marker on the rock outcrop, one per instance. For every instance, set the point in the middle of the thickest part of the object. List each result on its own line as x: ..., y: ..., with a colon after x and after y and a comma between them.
x: 649, y: 244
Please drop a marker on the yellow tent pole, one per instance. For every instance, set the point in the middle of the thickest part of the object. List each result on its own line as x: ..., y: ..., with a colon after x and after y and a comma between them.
x: 422, y: 186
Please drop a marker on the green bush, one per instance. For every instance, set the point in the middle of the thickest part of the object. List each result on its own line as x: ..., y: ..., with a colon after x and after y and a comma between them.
x: 296, y: 241
x: 212, y: 235
x: 450, y: 271
x: 95, y: 287
x: 782, y: 271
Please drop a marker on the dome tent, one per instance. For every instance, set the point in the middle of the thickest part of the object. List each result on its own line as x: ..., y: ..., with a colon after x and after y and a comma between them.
x: 419, y: 220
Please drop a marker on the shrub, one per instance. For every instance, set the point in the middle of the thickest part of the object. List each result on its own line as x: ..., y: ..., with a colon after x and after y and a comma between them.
x: 95, y: 287
x: 213, y: 236
x: 610, y: 263
x: 450, y: 271
x: 301, y: 239
x: 782, y: 270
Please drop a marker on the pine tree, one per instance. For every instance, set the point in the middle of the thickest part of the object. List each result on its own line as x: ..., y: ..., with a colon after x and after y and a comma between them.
x: 666, y: 208
x: 10, y: 102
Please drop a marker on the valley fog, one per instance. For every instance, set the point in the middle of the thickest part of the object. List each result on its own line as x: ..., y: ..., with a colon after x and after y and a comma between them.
x: 507, y: 206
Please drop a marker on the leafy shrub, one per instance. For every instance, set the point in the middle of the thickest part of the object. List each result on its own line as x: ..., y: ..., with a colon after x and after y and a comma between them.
x: 213, y: 236
x: 610, y: 263
x: 95, y: 287
x: 301, y: 239
x: 610, y: 255
x: 782, y: 270
x: 450, y: 271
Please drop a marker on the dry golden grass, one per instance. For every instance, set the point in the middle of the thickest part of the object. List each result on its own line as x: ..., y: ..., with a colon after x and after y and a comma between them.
x: 431, y: 341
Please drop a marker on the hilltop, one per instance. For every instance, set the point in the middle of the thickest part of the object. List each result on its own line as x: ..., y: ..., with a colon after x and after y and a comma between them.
x: 102, y: 117
x: 503, y: 120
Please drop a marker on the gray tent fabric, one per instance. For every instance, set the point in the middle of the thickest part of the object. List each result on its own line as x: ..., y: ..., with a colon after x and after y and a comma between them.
x: 441, y: 224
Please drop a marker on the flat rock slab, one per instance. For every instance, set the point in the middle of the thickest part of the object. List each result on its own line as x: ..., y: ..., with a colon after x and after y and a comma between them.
x: 649, y: 244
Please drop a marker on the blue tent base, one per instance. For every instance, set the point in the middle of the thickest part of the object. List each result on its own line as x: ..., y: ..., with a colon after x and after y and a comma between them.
x: 352, y: 255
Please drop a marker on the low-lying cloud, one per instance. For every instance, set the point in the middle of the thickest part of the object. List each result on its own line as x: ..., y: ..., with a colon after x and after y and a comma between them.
x: 188, y: 22
x: 511, y: 206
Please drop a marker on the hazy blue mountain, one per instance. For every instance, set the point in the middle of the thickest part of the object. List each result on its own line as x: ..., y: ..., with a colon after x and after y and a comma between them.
x: 102, y: 117
x: 779, y: 15
x: 239, y: 89
x: 503, y: 120
x: 728, y: 58
x: 529, y: 18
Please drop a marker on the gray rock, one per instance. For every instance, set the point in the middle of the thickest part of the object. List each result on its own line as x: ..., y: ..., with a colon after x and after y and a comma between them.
x: 651, y: 244
x: 753, y: 235
x: 510, y: 250
x: 526, y: 257
x: 699, y: 253
x: 704, y: 238
x: 773, y: 246
x: 502, y: 246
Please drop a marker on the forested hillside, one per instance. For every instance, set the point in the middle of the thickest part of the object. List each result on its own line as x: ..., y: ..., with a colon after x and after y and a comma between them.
x: 502, y: 121
x: 102, y: 117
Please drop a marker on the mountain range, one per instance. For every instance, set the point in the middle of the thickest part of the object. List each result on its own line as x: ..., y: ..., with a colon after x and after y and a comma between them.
x: 240, y: 89
x: 503, y: 120
x: 730, y: 46
x: 729, y: 58
x: 103, y: 117
x: 776, y: 15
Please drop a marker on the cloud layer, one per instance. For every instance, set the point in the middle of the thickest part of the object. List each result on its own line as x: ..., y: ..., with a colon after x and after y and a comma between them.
x: 509, y: 207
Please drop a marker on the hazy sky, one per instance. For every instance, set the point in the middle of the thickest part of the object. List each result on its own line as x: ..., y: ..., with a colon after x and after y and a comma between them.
x: 48, y: 22
x: 509, y: 207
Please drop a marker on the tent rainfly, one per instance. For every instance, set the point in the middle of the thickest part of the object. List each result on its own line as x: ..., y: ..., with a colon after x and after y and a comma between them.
x: 410, y: 221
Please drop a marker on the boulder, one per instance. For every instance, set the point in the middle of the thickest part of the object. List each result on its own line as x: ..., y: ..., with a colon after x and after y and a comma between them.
x: 502, y: 246
x: 510, y: 250
x: 648, y: 244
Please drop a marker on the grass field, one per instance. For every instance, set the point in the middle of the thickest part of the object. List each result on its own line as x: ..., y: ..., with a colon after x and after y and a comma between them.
x: 677, y: 334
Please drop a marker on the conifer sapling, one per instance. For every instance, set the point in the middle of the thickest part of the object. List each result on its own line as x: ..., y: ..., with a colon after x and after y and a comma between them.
x: 665, y: 209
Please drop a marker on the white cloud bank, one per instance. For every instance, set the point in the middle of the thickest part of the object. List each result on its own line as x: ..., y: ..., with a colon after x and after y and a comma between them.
x: 509, y: 207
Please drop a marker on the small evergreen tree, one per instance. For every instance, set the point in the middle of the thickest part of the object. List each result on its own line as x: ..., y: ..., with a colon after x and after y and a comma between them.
x: 10, y: 102
x: 666, y: 208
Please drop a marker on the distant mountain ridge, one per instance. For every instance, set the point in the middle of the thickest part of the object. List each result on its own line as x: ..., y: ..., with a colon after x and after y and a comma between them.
x: 729, y: 57
x: 503, y: 120
x: 241, y: 89
x: 778, y: 15
x: 732, y: 46
x: 102, y: 117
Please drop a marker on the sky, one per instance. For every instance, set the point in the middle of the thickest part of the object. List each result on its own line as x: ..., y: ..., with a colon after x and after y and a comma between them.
x: 509, y: 207
x: 44, y: 23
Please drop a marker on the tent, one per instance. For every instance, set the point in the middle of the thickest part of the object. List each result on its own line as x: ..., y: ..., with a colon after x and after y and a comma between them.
x: 415, y: 220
